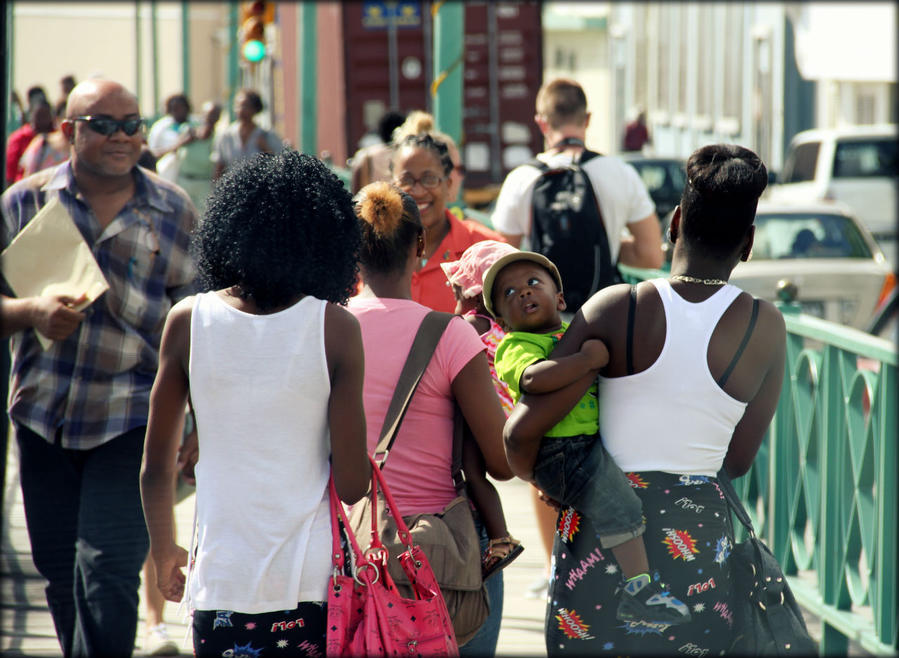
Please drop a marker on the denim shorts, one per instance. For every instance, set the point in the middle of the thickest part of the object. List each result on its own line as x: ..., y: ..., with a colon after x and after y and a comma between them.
x: 578, y: 472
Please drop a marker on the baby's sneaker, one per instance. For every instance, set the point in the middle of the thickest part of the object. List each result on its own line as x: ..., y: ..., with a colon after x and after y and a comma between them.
x: 645, y: 599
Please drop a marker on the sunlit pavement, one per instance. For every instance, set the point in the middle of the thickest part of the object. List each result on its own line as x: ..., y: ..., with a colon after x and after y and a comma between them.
x: 26, y: 628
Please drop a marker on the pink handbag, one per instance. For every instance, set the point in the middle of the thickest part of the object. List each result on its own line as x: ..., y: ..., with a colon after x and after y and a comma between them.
x: 367, y: 616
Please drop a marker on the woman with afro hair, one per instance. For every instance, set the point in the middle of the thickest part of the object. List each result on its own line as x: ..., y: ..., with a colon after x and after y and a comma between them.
x: 273, y: 368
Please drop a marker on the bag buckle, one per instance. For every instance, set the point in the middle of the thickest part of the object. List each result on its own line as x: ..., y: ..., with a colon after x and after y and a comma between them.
x: 417, y: 563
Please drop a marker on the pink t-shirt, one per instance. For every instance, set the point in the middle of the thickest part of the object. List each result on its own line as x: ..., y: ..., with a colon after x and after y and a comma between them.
x: 418, y: 470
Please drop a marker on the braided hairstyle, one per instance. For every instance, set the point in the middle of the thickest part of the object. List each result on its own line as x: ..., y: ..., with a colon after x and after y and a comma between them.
x: 278, y: 226
x: 390, y: 224
x: 426, y: 140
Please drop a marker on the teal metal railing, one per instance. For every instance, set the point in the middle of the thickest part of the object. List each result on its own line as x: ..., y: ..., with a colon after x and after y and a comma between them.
x: 823, y: 488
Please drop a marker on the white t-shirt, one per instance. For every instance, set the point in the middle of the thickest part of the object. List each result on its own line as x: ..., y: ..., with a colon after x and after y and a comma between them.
x: 622, y: 196
x: 163, y: 135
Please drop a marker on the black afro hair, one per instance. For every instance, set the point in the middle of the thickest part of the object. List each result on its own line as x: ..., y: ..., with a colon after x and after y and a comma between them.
x: 279, y: 226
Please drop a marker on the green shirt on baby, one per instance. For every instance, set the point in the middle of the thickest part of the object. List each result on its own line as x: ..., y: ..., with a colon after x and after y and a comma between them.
x: 520, y: 349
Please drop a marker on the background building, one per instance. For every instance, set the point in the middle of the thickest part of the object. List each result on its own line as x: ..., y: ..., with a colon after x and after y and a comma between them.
x: 753, y: 73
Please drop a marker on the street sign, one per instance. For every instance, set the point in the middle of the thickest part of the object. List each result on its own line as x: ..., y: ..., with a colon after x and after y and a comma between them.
x: 380, y: 15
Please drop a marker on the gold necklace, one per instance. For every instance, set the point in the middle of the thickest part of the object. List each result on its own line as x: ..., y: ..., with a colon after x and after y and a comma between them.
x: 692, y: 279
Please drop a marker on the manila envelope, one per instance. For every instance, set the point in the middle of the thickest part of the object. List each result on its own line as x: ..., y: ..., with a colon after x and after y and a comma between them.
x: 49, y: 257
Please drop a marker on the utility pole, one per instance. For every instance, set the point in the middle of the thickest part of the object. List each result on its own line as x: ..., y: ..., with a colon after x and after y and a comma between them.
x: 309, y: 80
x: 449, y: 52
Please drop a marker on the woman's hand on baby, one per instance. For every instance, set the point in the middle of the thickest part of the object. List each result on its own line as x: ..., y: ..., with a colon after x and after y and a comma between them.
x: 596, y: 352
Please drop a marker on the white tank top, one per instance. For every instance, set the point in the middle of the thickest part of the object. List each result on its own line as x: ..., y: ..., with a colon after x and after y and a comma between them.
x: 259, y: 386
x: 673, y: 416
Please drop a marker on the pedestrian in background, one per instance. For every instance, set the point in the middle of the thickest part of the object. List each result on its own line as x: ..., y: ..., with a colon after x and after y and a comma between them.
x: 168, y: 133
x: 372, y: 163
x: 244, y: 137
x: 195, y: 167
x: 636, y: 134
x: 37, y: 119
x: 47, y: 148
x: 66, y: 85
x: 421, y: 167
x: 79, y: 408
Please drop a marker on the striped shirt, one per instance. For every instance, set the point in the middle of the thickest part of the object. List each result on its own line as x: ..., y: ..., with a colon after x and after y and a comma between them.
x: 95, y: 385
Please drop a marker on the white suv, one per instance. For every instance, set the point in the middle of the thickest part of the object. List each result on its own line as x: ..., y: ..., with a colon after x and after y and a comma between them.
x: 856, y: 165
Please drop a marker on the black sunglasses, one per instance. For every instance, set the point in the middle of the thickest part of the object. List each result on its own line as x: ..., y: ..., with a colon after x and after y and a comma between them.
x: 108, y: 127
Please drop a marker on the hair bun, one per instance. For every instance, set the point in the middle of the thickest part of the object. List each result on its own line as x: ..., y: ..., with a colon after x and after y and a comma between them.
x: 420, y: 122
x: 381, y: 205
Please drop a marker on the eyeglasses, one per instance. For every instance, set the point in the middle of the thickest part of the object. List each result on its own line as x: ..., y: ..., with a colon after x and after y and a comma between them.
x: 108, y: 127
x: 428, y: 180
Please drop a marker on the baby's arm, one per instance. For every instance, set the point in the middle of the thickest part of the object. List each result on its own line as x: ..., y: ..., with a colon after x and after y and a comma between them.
x: 552, y: 374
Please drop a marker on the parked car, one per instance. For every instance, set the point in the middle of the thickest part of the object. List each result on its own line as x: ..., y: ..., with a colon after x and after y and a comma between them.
x: 856, y: 165
x: 885, y: 322
x: 664, y: 179
x: 824, y: 250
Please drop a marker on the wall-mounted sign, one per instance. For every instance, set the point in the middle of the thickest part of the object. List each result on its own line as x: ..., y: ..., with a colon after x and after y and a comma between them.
x: 379, y: 15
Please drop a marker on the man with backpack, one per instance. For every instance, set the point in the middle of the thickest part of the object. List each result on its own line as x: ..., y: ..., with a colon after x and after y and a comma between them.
x: 572, y: 204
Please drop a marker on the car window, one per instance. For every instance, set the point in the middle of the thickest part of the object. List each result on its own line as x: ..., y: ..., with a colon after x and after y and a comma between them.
x: 801, y: 162
x: 653, y: 175
x: 865, y: 158
x: 661, y: 176
x: 807, y: 235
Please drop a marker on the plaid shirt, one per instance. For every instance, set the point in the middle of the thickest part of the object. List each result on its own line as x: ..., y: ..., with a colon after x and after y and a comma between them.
x: 95, y: 384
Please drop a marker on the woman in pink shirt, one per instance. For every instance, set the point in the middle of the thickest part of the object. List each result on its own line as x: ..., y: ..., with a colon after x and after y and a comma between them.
x: 420, y: 464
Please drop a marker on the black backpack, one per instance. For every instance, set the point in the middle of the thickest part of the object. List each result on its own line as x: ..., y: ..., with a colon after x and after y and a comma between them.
x: 567, y: 228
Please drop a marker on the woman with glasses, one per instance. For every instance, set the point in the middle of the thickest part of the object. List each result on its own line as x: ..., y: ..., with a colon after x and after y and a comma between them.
x: 422, y: 167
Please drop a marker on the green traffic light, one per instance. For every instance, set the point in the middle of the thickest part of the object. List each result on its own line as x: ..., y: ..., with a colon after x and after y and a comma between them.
x: 254, y: 50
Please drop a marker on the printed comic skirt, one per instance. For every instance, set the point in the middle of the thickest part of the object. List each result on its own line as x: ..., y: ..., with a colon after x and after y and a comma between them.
x: 688, y: 540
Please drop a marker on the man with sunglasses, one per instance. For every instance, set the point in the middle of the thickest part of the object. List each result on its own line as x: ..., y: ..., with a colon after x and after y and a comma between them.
x: 79, y: 408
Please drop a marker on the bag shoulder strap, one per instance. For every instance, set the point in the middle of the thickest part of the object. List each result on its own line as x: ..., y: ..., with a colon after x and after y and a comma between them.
x: 426, y: 339
x: 629, y: 345
x: 586, y: 156
x: 734, y: 502
x: 538, y: 164
x: 458, y: 436
x: 752, y: 319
